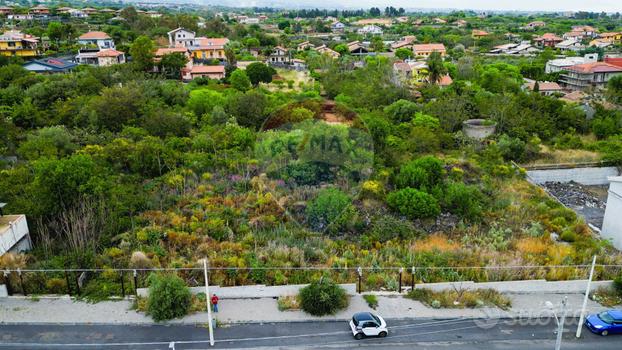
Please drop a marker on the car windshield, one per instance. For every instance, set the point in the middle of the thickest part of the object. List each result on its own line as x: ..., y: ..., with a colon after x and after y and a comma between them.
x: 376, y: 318
x: 605, y: 317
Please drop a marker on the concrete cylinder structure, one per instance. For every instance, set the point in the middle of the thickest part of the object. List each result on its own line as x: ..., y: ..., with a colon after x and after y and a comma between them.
x: 612, y: 224
x: 478, y: 129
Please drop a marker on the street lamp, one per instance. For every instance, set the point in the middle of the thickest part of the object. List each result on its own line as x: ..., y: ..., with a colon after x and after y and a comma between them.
x: 560, y: 320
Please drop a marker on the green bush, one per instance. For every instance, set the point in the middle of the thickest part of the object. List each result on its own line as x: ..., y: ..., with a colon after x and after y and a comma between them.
x: 323, y: 297
x: 372, y: 300
x: 463, y: 200
x: 423, y: 173
x: 169, y: 297
x: 329, y: 208
x: 617, y: 284
x: 413, y: 203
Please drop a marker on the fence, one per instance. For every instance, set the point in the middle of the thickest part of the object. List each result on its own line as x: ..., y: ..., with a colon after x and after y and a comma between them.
x: 106, y: 283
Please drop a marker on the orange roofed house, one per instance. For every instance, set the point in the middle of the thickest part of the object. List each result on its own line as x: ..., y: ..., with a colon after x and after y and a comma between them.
x: 426, y: 50
x: 548, y: 39
x: 212, y: 72
x: 588, y: 75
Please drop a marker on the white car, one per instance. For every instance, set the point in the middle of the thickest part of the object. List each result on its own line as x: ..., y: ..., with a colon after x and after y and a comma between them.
x: 366, y: 324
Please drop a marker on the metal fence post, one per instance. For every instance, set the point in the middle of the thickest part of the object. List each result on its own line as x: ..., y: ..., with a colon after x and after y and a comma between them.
x: 399, y: 290
x: 21, y: 282
x: 7, y: 278
x: 360, y: 273
x: 122, y: 285
x: 68, y: 284
x: 135, y: 283
x: 412, y: 282
x: 77, y: 283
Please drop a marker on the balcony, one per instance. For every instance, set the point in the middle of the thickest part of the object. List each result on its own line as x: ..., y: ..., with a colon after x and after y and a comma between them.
x: 14, y: 234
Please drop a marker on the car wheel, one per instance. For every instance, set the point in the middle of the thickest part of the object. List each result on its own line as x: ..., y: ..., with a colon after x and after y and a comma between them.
x: 358, y: 336
x: 604, y: 333
x: 382, y: 334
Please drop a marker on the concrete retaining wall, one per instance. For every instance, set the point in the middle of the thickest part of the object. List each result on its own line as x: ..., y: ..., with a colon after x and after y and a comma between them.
x: 585, y: 176
x: 612, y: 224
x: 254, y: 291
x: 519, y: 287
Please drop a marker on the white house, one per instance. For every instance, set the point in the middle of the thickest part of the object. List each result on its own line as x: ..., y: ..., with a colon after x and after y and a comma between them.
x: 560, y: 64
x: 612, y: 225
x: 338, y: 27
x: 181, y: 37
x: 370, y: 29
x: 98, y: 39
x: 279, y: 55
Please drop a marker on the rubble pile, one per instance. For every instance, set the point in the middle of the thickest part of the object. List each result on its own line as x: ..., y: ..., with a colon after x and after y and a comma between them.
x: 574, y: 194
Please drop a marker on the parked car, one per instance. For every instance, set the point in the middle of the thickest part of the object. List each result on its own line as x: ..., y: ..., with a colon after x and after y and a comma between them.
x: 605, y: 323
x: 366, y: 324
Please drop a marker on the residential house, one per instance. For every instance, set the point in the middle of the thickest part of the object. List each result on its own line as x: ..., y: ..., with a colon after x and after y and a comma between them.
x: 209, y: 49
x: 338, y: 27
x: 40, y: 11
x: 615, y: 38
x: 588, y: 31
x: 15, y: 43
x: 162, y: 51
x: 63, y: 10
x: 589, y: 75
x: 21, y: 17
x: 370, y: 29
x: 50, y: 65
x: 299, y: 64
x: 426, y: 50
x: 547, y: 40
x: 439, y: 20
x: 600, y: 43
x: 153, y: 14
x: 304, y: 45
x: 77, y: 13
x: 325, y: 50
x: 249, y: 20
x: 402, y: 19
x: 181, y: 37
x: 100, y: 40
x: 279, y: 55
x: 405, y: 42
x: 570, y: 45
x: 460, y: 23
x: 91, y: 11
x: 403, y: 69
x: 519, y: 49
x: 357, y: 49
x: 560, y: 64
x: 212, y: 72
x: 109, y: 57
x: 14, y: 233
x: 546, y: 88
x: 574, y: 35
x: 478, y: 34
x: 533, y: 25
x: 445, y: 81
x: 6, y: 10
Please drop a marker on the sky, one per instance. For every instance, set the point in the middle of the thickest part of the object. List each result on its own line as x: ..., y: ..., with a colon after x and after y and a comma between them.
x: 519, y: 5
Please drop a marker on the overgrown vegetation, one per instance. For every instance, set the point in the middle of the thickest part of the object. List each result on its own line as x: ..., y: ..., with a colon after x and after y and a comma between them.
x: 459, y: 299
x: 323, y: 297
x: 169, y: 297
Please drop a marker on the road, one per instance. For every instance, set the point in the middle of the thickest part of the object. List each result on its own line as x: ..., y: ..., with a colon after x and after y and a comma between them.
x: 404, y: 334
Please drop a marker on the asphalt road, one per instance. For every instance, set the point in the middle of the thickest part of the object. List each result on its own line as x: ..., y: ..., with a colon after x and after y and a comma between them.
x: 404, y: 334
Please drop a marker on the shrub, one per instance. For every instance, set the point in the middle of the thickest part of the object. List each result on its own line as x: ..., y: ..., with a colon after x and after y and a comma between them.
x: 372, y: 300
x: 463, y: 200
x: 323, y: 297
x: 387, y: 227
x: 617, y: 284
x: 413, y: 203
x: 329, y: 208
x: 423, y: 173
x: 168, y: 297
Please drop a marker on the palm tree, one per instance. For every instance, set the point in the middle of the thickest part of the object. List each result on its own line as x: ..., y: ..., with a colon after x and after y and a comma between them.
x: 436, y: 68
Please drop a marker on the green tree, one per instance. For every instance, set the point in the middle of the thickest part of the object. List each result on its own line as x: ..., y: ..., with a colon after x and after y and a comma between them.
x: 169, y: 297
x: 54, y: 141
x: 55, y: 31
x: 142, y: 50
x: 202, y: 101
x: 403, y: 53
x: 614, y: 89
x: 422, y: 173
x: 377, y: 44
x: 240, y: 81
x: 328, y: 209
x: 171, y: 64
x: 436, y: 68
x: 259, y: 73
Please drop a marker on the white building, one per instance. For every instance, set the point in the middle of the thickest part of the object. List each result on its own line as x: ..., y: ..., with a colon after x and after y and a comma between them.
x: 98, y: 39
x: 561, y: 64
x: 181, y: 37
x: 370, y: 29
x: 338, y: 27
x: 14, y: 234
x: 612, y: 224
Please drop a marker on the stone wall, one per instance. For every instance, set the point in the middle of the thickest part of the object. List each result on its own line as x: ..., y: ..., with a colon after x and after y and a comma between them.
x: 612, y: 224
x: 584, y: 176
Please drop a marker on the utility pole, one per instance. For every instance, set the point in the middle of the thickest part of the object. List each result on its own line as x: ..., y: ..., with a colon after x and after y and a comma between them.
x: 209, y: 307
x: 560, y: 325
x: 587, y: 293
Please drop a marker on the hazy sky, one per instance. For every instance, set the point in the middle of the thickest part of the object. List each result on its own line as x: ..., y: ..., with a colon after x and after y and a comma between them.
x: 521, y: 5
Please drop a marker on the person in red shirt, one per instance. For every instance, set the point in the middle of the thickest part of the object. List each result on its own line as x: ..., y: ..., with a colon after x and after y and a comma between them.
x: 215, y: 302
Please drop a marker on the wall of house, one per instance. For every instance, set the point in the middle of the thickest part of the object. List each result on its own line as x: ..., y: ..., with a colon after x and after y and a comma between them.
x: 15, y: 237
x: 612, y: 224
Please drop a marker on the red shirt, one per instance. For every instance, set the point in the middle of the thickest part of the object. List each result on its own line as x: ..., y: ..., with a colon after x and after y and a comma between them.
x: 214, y: 300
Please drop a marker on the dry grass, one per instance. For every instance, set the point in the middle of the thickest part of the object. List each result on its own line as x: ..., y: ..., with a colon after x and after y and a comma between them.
x: 608, y: 297
x: 435, y: 242
x: 288, y: 303
x: 460, y: 299
x: 558, y: 156
x: 531, y: 246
